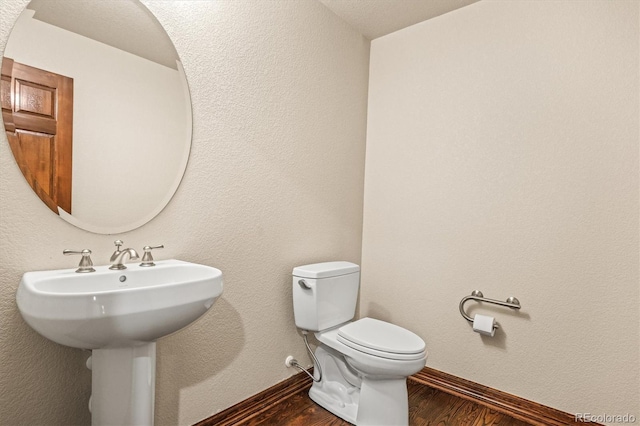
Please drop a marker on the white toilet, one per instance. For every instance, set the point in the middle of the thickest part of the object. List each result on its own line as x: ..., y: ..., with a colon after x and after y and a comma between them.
x: 364, y: 363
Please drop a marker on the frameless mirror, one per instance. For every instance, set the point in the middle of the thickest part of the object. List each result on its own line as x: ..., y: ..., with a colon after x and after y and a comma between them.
x: 96, y: 110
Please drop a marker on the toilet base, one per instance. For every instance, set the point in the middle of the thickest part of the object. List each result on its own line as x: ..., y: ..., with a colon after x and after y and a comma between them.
x: 360, y: 401
x: 383, y: 403
x: 334, y: 392
x: 325, y: 396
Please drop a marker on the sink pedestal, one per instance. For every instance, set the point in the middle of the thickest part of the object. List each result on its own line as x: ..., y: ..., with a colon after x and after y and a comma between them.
x: 123, y: 385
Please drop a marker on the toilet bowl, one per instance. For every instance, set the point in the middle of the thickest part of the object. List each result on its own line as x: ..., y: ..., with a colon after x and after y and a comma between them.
x: 364, y: 363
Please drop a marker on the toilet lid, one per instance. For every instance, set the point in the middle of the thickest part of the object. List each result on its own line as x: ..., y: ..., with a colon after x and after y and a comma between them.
x: 382, y: 339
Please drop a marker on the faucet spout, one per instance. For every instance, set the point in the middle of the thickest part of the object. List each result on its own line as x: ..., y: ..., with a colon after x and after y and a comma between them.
x: 119, y: 256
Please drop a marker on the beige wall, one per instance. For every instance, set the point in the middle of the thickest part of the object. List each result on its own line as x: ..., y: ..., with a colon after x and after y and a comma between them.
x: 502, y: 155
x: 275, y: 179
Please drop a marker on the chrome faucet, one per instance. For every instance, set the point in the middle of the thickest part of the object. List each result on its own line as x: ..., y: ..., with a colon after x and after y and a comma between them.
x: 118, y: 257
x: 86, y: 265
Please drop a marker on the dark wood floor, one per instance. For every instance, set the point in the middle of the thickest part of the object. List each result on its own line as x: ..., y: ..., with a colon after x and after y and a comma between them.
x: 427, y: 406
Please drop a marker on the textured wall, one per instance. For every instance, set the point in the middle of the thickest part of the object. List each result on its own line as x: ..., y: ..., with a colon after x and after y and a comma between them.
x: 502, y: 155
x: 275, y: 179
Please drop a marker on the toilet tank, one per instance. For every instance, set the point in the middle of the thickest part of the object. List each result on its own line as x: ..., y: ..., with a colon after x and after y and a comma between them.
x: 331, y: 297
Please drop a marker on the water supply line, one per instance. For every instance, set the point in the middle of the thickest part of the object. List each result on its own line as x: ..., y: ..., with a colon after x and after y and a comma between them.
x: 292, y: 362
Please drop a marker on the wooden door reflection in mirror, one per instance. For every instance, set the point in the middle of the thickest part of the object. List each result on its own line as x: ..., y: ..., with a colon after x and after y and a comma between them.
x: 37, y: 108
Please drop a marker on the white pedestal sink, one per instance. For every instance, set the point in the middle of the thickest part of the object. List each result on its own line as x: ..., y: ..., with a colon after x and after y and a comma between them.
x: 119, y: 315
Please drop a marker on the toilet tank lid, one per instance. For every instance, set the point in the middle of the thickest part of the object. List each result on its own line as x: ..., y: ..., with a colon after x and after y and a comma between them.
x: 325, y: 270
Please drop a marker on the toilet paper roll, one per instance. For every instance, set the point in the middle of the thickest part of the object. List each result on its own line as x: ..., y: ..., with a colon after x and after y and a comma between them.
x: 483, y: 324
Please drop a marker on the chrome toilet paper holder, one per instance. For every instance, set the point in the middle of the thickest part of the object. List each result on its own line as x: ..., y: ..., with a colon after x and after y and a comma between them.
x: 477, y: 295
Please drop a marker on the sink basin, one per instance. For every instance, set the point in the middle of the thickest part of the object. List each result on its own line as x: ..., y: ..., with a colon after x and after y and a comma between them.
x: 110, y: 309
x: 118, y: 314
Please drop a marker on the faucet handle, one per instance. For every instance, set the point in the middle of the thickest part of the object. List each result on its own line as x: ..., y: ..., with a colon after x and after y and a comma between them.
x: 147, y: 258
x: 85, y: 265
x: 118, y: 243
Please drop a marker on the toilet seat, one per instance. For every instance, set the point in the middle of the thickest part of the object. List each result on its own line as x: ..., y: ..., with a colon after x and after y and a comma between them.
x: 382, y: 339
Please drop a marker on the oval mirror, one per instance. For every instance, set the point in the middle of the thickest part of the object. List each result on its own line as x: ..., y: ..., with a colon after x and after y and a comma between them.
x: 96, y: 110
